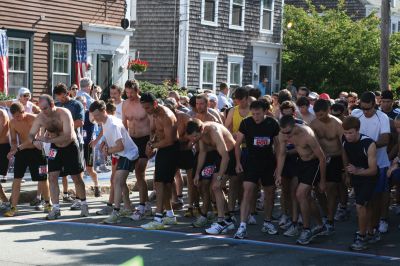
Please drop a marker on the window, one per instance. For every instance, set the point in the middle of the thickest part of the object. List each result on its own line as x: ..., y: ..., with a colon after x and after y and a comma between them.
x: 208, y: 70
x: 267, y: 15
x: 18, y: 64
x: 235, y: 70
x: 236, y: 16
x: 209, y: 14
x: 61, y: 63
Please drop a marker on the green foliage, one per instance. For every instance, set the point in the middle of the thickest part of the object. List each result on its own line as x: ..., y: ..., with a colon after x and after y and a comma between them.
x: 331, y: 52
x: 4, y: 97
x: 161, y: 91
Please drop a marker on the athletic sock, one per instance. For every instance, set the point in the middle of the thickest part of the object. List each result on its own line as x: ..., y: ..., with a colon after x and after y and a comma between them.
x: 39, y: 197
x: 170, y: 213
x: 83, y: 202
x: 56, y: 206
x: 242, y: 224
x: 220, y: 219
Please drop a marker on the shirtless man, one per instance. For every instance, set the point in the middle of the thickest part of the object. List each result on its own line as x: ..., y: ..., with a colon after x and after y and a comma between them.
x: 136, y: 120
x: 311, y: 169
x: 329, y: 132
x: 164, y: 129
x: 186, y: 158
x: 215, y: 139
x: 203, y: 112
x: 64, y: 151
x: 26, y: 155
x: 4, y: 150
x: 115, y: 94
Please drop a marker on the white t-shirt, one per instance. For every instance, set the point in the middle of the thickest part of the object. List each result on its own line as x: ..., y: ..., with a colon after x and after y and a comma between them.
x: 118, y: 112
x: 113, y: 130
x: 373, y: 127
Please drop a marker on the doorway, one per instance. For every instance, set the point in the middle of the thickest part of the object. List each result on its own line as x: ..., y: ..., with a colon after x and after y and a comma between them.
x: 265, y: 72
x: 104, y: 73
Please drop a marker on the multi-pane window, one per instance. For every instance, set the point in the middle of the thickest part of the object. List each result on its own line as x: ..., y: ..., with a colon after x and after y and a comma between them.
x: 61, y: 63
x: 210, y: 10
x: 234, y: 78
x: 237, y: 14
x: 18, y: 62
x: 267, y: 7
x: 208, y: 75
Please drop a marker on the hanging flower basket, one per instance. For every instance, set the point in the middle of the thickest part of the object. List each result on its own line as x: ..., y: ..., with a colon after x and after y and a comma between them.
x: 138, y: 66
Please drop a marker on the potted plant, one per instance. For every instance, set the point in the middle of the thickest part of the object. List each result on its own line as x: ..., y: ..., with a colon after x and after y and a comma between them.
x: 138, y: 66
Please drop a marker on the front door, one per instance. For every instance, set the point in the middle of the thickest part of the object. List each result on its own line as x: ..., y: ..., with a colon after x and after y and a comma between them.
x: 265, y: 72
x: 104, y: 73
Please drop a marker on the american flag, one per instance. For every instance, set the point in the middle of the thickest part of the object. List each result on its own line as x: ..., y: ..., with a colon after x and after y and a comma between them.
x: 81, y: 59
x: 3, y: 62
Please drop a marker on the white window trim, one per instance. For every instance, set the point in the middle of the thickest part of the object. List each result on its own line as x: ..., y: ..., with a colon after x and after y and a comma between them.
x: 26, y: 60
x: 235, y: 59
x: 69, y: 63
x: 262, y: 18
x: 208, y: 56
x: 206, y: 22
x: 235, y: 27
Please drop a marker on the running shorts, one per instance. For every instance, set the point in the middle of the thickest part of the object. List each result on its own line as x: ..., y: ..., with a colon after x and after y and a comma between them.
x: 334, y: 169
x: 166, y: 163
x: 67, y: 160
x: 4, y: 150
x: 141, y: 143
x: 35, y: 160
x: 308, y: 171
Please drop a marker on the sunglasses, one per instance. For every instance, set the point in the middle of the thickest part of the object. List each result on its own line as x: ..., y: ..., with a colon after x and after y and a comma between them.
x: 74, y: 89
x: 27, y: 95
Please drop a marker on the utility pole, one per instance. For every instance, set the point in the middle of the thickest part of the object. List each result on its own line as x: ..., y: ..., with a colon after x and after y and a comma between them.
x: 384, y: 55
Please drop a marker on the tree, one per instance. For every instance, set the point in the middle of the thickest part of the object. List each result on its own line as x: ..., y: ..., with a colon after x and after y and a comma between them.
x: 329, y: 51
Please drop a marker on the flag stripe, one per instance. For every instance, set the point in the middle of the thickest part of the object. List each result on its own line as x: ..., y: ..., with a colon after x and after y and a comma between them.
x: 3, y: 62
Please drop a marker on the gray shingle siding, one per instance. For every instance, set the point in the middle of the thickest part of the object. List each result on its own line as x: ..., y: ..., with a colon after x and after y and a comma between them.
x: 226, y: 41
x: 154, y: 38
x: 354, y: 8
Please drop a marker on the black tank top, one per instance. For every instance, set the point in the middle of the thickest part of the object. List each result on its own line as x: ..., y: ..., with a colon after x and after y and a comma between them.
x: 357, y: 152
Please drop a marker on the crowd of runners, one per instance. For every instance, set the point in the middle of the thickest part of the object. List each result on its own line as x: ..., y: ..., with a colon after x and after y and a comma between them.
x: 236, y: 152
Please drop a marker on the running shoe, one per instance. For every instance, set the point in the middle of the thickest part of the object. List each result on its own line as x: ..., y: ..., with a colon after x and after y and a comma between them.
x: 5, y: 206
x: 138, y: 215
x: 305, y: 237
x: 342, y: 214
x: 114, y: 218
x: 67, y: 198
x: 327, y: 230
x: 152, y: 196
x: 11, y: 212
x: 76, y: 205
x: 84, y: 210
x: 269, y: 228
x: 317, y: 230
x: 375, y: 237
x: 105, y: 211
x: 34, y: 202
x: 53, y: 214
x: 47, y: 208
x: 293, y: 230
x: 97, y: 192
x: 217, y: 228
x: 39, y: 206
x: 147, y: 209
x: 125, y: 212
x: 360, y: 243
x: 153, y: 225
x: 283, y: 220
x: 210, y: 216
x: 241, y: 233
x: 260, y: 204
x: 201, y: 221
x: 230, y: 226
x: 251, y: 220
x: 383, y: 226
x: 169, y: 220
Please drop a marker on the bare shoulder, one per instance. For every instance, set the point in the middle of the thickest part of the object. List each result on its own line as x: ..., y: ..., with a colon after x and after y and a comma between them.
x: 336, y: 120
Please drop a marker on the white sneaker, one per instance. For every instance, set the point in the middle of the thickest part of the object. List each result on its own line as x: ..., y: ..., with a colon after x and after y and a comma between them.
x: 293, y: 230
x: 283, y: 220
x: 229, y: 227
x: 241, y: 233
x: 216, y: 229
x: 251, y: 220
x: 125, y: 212
x: 107, y: 210
x: 153, y: 225
x: 138, y: 215
x: 201, y: 221
x: 147, y: 209
x: 114, y: 218
x: 169, y: 220
x: 84, y: 210
x: 383, y: 226
x: 269, y: 228
x: 76, y: 205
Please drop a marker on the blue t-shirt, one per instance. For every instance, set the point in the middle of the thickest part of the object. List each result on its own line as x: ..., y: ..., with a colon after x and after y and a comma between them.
x: 77, y: 112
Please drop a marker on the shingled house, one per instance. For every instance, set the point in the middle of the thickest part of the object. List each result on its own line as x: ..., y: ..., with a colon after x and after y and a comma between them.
x: 357, y: 9
x: 205, y: 42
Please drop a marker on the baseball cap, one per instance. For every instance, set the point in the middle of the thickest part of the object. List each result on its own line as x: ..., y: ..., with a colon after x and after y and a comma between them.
x: 23, y: 91
x: 212, y: 97
x: 313, y: 95
x: 324, y: 96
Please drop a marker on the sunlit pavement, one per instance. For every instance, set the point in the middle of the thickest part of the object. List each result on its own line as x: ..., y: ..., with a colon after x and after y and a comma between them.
x: 28, y: 239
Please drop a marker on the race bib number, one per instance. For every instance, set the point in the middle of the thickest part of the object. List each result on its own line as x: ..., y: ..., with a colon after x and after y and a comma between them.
x: 84, y: 134
x: 208, y: 171
x: 43, y: 170
x: 52, y: 154
x: 261, y: 141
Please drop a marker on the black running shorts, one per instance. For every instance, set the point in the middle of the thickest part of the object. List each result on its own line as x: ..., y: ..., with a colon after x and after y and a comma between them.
x: 35, y: 160
x: 185, y: 159
x: 213, y: 162
x: 67, y: 160
x: 260, y: 170
x: 308, y: 171
x: 88, y: 155
x: 334, y: 168
x: 166, y: 163
x: 364, y: 188
x: 4, y: 150
x: 290, y: 166
x: 141, y: 143
x: 125, y: 164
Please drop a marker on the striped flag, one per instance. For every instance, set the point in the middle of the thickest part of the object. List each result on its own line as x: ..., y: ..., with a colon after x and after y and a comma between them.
x: 3, y: 62
x: 81, y: 59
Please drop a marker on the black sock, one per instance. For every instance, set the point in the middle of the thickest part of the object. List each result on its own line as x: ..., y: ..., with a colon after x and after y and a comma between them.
x: 109, y: 204
x: 47, y: 201
x: 116, y: 209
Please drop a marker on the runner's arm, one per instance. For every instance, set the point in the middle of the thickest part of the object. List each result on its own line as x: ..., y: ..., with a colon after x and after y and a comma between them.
x: 201, y: 159
x: 35, y: 109
x: 372, y: 165
x: 170, y: 133
x: 238, y: 151
x: 317, y: 150
x: 383, y: 140
x: 119, y: 146
x: 280, y: 156
x: 217, y: 137
x: 229, y: 120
